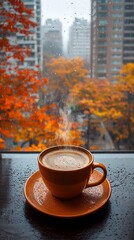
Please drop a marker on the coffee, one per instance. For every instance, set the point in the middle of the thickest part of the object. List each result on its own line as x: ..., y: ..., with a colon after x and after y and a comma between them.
x: 66, y: 170
x: 65, y: 159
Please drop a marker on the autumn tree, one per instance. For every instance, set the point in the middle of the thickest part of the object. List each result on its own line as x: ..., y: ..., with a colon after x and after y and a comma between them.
x: 92, y: 99
x: 16, y: 18
x: 29, y: 121
x: 119, y: 118
x: 123, y: 129
x: 63, y: 74
x: 21, y: 119
x: 111, y: 104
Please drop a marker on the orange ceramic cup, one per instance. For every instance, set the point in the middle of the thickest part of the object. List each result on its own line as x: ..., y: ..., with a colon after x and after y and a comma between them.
x: 66, y: 170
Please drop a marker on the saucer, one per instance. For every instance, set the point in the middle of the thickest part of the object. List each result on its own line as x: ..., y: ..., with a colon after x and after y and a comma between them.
x: 89, y: 201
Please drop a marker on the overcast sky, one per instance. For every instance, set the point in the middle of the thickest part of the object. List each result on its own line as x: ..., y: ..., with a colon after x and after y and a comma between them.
x: 66, y: 11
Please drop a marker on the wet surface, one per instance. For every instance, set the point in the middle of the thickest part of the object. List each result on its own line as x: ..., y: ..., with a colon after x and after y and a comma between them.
x: 18, y: 220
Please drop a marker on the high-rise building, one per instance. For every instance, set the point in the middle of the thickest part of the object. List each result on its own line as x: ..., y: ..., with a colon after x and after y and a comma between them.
x: 112, y: 37
x: 128, y: 36
x: 32, y: 41
x: 79, y: 39
x: 52, y: 37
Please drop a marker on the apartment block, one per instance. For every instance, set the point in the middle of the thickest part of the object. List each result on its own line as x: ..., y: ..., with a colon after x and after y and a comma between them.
x: 128, y: 36
x: 112, y: 37
x: 79, y: 39
x: 52, y: 37
x: 31, y: 41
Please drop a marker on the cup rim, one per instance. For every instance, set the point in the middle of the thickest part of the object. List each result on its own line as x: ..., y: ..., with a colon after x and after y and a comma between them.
x: 58, y: 147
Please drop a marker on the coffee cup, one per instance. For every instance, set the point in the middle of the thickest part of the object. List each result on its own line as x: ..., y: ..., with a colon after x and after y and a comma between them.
x: 66, y: 170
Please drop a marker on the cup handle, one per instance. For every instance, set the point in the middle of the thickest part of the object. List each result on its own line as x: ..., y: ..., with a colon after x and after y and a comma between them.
x: 98, y: 165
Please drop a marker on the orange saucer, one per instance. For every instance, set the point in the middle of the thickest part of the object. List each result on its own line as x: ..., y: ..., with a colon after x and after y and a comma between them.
x: 88, y: 202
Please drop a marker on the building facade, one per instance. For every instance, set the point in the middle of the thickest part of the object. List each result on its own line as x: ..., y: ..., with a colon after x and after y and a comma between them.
x: 112, y: 37
x: 128, y: 37
x: 79, y: 39
x: 31, y: 41
x: 52, y: 38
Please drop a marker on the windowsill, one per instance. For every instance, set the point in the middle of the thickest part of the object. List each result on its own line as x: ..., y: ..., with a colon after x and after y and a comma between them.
x: 17, y: 167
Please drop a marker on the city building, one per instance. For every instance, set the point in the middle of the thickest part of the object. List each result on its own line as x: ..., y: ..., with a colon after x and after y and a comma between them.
x: 112, y: 37
x: 52, y: 37
x: 31, y: 41
x: 128, y: 37
x: 79, y: 39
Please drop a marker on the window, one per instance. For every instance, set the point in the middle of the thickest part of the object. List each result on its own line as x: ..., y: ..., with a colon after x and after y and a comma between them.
x: 102, y: 22
x: 102, y: 28
x: 116, y: 55
x: 102, y: 43
x: 102, y: 50
x: 129, y: 35
x: 116, y: 41
x: 117, y: 7
x: 129, y: 55
x: 128, y: 41
x: 102, y: 1
x: 102, y: 35
x: 117, y: 35
x: 68, y: 72
x: 129, y: 21
x: 116, y: 1
x: 129, y: 28
x: 116, y: 49
x: 117, y: 21
x: 116, y: 62
x: 129, y: 14
x: 128, y: 48
x: 101, y: 70
x: 102, y: 14
x: 102, y: 7
x: 102, y: 61
x: 116, y: 69
x: 129, y: 1
x: 129, y: 7
x: 117, y: 14
x: 119, y: 28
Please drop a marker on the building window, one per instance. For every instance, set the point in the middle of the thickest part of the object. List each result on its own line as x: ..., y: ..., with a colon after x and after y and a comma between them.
x: 102, y: 22
x: 102, y: 14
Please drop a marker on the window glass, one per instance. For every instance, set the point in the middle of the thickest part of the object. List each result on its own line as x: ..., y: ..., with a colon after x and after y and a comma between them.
x: 66, y: 74
x: 116, y: 1
x: 102, y: 22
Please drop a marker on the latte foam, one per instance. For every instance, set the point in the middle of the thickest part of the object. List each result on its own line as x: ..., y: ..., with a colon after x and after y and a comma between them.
x: 65, y: 159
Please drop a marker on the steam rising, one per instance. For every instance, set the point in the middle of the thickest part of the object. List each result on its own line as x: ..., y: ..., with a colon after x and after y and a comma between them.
x: 63, y: 135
